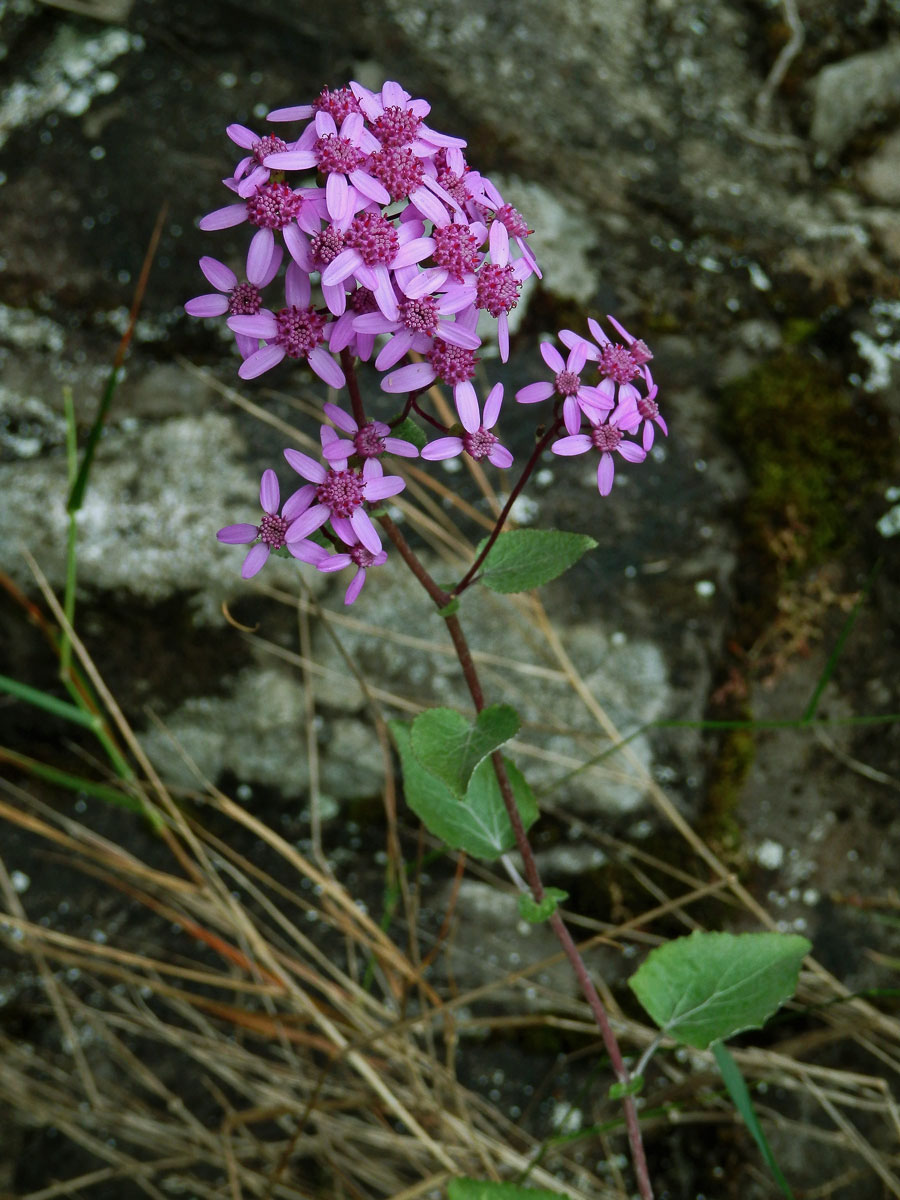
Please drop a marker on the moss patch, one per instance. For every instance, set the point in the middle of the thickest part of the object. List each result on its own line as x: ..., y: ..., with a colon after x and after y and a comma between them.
x: 718, y: 822
x: 812, y: 458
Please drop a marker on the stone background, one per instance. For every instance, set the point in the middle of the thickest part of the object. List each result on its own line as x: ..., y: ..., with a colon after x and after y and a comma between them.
x: 748, y: 227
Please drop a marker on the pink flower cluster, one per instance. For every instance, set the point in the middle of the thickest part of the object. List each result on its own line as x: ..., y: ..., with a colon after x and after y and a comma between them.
x: 390, y: 232
x: 614, y: 405
x: 376, y: 230
x: 334, y: 492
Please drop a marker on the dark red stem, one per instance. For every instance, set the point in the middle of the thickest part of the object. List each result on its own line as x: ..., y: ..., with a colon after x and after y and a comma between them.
x: 536, y: 453
x: 359, y: 412
x: 532, y: 874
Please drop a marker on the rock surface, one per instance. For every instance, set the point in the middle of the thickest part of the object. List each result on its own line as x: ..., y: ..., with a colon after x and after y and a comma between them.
x: 732, y: 237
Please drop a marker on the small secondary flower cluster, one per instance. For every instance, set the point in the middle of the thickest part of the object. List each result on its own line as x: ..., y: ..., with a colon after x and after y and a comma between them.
x: 393, y: 237
x: 613, y: 407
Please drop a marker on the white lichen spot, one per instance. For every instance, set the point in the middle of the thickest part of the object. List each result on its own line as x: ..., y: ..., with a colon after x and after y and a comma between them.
x: 882, y: 353
x: 889, y: 524
x: 565, y: 1118
x: 758, y: 277
x: 67, y: 78
x: 524, y: 510
x: 770, y: 854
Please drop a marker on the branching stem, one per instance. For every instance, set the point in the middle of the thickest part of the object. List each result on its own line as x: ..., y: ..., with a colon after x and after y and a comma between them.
x: 532, y: 874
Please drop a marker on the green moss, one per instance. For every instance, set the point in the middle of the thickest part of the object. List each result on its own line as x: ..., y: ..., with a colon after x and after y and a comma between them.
x: 808, y: 454
x: 728, y: 774
x: 798, y: 330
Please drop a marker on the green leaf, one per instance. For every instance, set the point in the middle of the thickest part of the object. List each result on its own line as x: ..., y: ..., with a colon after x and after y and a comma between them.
x: 487, y: 1189
x: 710, y: 986
x: 449, y: 747
x: 476, y: 822
x: 410, y: 432
x: 525, y: 558
x: 633, y: 1087
x: 449, y: 609
x: 737, y: 1090
x: 533, y: 911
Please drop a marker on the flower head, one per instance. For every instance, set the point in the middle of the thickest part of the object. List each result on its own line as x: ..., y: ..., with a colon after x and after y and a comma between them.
x: 250, y: 174
x: 606, y: 437
x: 476, y: 440
x: 341, y: 495
x: 296, y: 331
x: 368, y: 441
x: 577, y: 396
x: 270, y: 533
x: 232, y: 296
x: 358, y: 556
x: 623, y: 371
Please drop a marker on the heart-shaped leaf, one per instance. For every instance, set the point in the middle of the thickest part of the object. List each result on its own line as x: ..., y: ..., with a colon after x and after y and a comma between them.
x: 710, y: 986
x: 477, y: 821
x: 449, y: 747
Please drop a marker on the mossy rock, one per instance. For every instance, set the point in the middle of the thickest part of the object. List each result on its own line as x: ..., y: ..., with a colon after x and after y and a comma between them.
x: 811, y: 456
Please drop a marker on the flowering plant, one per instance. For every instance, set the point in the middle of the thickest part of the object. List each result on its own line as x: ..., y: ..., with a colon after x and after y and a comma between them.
x: 391, y: 239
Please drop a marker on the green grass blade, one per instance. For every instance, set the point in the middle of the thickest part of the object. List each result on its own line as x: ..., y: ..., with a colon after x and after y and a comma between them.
x: 79, y: 487
x: 65, y: 646
x: 739, y: 1093
x: 72, y: 783
x: 50, y: 704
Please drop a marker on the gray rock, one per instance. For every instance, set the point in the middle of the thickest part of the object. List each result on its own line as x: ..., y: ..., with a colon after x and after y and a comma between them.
x: 157, y: 495
x: 852, y: 95
x: 880, y: 174
x: 257, y: 732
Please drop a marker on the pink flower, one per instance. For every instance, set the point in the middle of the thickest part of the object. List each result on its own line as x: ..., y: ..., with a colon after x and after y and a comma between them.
x: 359, y: 556
x: 577, y: 396
x: 374, y: 248
x: 297, y: 331
x: 647, y: 410
x: 499, y: 282
x: 250, y: 173
x: 272, y: 206
x: 477, y: 440
x: 369, y: 441
x: 270, y: 534
x: 344, y: 336
x: 421, y: 318
x: 340, y: 495
x: 509, y: 223
x: 341, y: 155
x: 606, y: 438
x: 234, y: 298
x: 622, y: 367
x: 338, y: 103
x: 454, y: 364
x: 398, y: 120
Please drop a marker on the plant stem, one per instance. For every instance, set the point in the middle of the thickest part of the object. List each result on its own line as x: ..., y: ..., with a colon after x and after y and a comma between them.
x: 536, y: 453
x: 356, y: 402
x: 532, y: 874
x: 437, y: 594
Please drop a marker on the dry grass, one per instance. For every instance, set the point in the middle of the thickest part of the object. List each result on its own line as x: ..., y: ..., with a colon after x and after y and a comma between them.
x: 277, y: 1042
